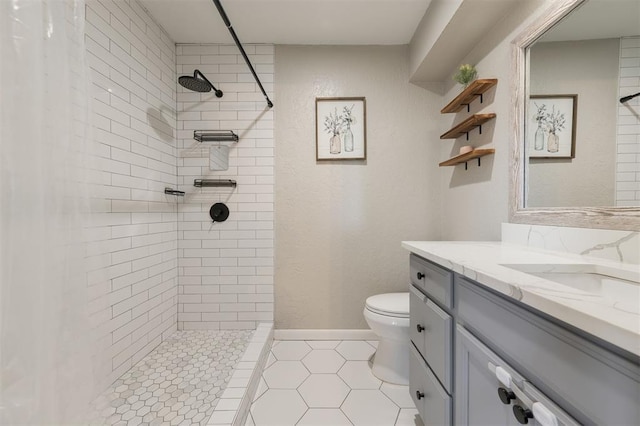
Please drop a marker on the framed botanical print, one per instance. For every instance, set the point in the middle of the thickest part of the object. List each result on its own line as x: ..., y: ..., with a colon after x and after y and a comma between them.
x: 551, y: 126
x: 341, y: 129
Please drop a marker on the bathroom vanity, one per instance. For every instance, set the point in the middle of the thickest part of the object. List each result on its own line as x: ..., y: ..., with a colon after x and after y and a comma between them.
x: 500, y: 337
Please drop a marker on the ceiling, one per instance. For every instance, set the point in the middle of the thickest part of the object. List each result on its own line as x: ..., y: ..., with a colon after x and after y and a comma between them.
x: 597, y: 19
x: 329, y: 22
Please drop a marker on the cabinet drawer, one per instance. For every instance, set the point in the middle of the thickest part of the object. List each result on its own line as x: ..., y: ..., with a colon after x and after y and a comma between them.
x: 437, y: 282
x: 432, y: 402
x: 431, y: 330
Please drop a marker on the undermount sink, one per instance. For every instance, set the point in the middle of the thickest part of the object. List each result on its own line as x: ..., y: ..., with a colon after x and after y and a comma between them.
x: 619, y: 285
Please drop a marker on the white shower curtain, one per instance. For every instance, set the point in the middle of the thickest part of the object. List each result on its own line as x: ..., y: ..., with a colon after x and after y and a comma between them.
x: 45, y: 369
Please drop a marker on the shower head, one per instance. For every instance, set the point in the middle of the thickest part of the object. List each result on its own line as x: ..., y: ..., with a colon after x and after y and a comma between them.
x: 198, y: 83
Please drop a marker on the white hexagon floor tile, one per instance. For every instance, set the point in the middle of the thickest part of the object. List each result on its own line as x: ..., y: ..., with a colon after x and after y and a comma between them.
x: 262, y: 388
x: 324, y: 391
x: 179, y: 382
x: 323, y: 344
x: 336, y: 392
x: 290, y: 350
x: 398, y: 394
x: 285, y: 375
x: 355, y: 350
x: 270, y: 360
x: 370, y: 408
x: 324, y: 417
x: 409, y: 417
x: 358, y: 375
x: 278, y: 407
x: 323, y: 361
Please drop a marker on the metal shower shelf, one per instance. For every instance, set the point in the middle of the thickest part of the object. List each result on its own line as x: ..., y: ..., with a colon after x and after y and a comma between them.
x: 171, y: 191
x: 209, y: 183
x: 215, y: 136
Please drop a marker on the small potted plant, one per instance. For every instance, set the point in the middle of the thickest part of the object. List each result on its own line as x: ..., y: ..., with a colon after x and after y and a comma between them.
x: 466, y: 74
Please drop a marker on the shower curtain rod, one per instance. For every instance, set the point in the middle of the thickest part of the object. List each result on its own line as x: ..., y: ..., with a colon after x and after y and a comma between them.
x: 224, y: 17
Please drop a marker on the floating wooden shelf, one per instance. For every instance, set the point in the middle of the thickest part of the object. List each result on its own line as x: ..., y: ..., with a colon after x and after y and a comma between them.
x: 476, y: 153
x: 476, y: 120
x: 473, y: 90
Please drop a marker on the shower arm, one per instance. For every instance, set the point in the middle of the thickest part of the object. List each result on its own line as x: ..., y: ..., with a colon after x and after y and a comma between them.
x: 198, y: 73
x: 224, y: 17
x: 628, y: 98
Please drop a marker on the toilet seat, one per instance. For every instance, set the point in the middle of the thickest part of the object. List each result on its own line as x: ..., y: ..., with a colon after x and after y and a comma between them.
x: 389, y: 304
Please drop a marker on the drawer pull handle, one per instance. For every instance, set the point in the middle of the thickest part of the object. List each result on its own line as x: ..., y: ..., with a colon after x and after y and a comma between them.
x: 506, y: 396
x: 419, y: 395
x: 420, y: 275
x: 522, y: 414
x: 420, y: 328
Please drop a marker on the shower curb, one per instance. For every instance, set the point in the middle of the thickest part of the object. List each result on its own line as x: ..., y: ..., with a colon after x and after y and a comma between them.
x: 234, y: 404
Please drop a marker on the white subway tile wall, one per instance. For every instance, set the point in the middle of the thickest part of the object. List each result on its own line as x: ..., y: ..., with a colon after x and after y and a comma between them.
x: 226, y: 269
x: 628, y: 138
x: 133, y: 284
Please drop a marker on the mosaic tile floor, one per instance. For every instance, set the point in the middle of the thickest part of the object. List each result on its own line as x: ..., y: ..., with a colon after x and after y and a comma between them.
x: 178, y: 383
x: 327, y: 383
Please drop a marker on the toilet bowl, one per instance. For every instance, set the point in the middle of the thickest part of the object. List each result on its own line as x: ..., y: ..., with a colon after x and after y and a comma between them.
x: 388, y: 317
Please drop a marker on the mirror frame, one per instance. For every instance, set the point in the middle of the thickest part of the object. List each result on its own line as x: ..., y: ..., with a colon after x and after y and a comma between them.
x: 622, y: 218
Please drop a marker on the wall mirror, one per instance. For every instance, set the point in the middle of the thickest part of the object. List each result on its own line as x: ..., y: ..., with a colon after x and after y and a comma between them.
x: 575, y: 155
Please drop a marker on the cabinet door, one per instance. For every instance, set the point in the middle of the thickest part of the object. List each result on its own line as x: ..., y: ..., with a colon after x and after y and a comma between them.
x: 432, y: 402
x: 477, y: 401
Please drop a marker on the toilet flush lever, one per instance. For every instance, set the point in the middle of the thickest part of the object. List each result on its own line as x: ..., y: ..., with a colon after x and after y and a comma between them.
x: 420, y: 328
x: 420, y: 275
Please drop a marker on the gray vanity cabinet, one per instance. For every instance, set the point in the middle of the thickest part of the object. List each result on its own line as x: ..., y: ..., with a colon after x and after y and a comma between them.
x: 595, y: 384
x: 481, y: 358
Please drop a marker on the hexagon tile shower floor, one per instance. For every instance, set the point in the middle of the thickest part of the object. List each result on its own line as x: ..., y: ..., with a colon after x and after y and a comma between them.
x: 178, y: 383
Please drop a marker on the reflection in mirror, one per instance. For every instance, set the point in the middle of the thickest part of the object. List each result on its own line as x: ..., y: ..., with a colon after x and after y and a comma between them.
x: 582, y: 145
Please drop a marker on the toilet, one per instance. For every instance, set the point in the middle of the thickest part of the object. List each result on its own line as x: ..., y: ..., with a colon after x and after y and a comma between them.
x: 388, y: 317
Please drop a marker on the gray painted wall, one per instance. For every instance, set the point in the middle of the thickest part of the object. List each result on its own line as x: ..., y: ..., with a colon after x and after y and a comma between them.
x: 339, y: 225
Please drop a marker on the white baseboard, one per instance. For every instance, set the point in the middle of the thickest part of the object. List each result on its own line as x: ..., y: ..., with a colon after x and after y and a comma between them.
x: 296, y: 334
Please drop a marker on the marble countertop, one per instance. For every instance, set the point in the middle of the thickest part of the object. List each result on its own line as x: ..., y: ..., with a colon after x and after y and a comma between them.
x: 606, y: 312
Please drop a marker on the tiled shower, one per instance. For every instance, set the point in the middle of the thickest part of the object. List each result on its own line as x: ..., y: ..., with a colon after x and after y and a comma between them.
x: 158, y: 263
x: 167, y: 266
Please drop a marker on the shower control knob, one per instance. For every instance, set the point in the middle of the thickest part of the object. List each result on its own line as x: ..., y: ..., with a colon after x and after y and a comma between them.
x: 522, y: 414
x: 420, y: 275
x: 506, y: 396
x: 419, y: 394
x: 420, y: 328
